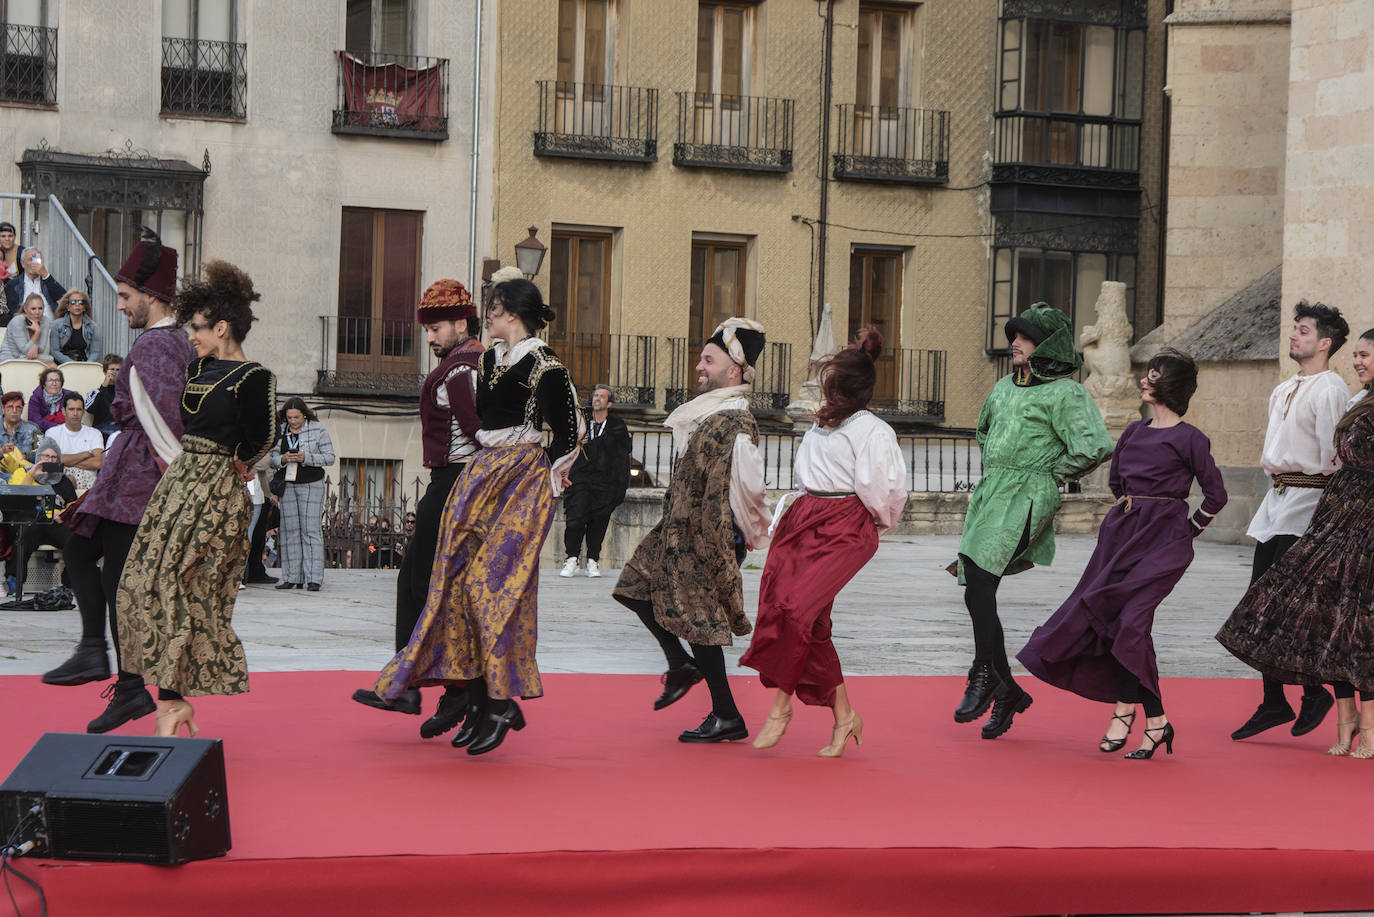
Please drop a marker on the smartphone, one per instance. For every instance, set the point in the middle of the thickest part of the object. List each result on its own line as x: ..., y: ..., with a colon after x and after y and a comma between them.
x: 50, y: 467
x: 37, y: 259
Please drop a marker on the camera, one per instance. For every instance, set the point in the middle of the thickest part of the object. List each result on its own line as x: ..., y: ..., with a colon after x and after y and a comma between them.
x: 50, y: 467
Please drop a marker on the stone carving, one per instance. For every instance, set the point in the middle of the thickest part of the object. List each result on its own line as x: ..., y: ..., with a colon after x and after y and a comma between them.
x: 1107, y: 358
x: 808, y: 400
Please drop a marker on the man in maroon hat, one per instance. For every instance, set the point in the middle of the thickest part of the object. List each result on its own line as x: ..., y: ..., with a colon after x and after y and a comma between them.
x: 147, y: 405
x: 448, y: 430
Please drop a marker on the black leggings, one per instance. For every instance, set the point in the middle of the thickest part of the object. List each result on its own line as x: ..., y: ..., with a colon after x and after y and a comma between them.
x: 1131, y: 691
x: 980, y: 597
x: 1345, y: 689
x: 1267, y: 553
x: 96, y: 583
x: 709, y: 660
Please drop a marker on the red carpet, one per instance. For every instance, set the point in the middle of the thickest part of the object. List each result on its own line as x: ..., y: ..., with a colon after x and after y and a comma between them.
x: 596, y: 808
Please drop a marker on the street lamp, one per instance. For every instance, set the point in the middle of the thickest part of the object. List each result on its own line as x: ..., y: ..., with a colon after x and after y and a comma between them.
x: 529, y: 255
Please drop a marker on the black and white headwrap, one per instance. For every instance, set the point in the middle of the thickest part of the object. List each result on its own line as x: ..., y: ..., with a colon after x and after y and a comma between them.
x: 743, y: 340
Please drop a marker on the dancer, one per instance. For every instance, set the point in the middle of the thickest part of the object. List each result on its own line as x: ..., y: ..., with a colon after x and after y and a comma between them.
x: 1038, y: 429
x: 147, y: 405
x: 1098, y: 643
x: 1299, y: 457
x: 176, y: 597
x: 479, y: 621
x: 683, y: 581
x: 448, y: 430
x: 851, y: 479
x: 1310, y: 618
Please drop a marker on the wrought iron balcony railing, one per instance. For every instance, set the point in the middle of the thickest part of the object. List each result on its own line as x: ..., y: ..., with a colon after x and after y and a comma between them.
x: 880, y: 143
x: 772, y: 388
x: 204, y: 78
x: 391, y: 95
x: 597, y: 121
x: 733, y: 132
x: 369, y: 356
x: 625, y: 362
x: 1067, y: 149
x: 28, y: 64
x: 911, y: 385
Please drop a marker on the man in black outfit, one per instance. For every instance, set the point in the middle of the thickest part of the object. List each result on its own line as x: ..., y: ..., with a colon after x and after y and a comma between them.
x: 599, y: 479
x: 448, y: 428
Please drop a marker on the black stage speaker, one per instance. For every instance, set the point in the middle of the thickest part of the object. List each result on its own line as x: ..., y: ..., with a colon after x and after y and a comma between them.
x: 142, y: 800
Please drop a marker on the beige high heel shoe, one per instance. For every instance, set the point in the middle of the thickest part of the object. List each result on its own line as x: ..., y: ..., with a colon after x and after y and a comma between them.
x: 171, y: 714
x: 1366, y: 749
x: 1344, y: 739
x: 773, y: 729
x: 841, y: 734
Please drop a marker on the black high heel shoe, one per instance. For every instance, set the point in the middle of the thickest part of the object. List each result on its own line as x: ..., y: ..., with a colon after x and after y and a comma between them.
x: 495, y: 725
x: 1166, y: 738
x: 1107, y: 746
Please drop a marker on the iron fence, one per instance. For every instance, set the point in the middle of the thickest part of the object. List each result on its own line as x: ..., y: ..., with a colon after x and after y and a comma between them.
x: 911, y: 384
x: 733, y: 132
x: 391, y: 95
x: 625, y: 362
x: 597, y: 121
x: 1077, y: 141
x: 883, y: 143
x: 204, y: 78
x: 28, y: 64
x: 367, y: 530
x: 368, y: 356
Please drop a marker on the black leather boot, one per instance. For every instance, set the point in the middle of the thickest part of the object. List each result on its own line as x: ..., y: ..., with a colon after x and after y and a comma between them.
x: 128, y: 701
x: 982, y: 682
x: 1007, y: 701
x: 90, y: 662
x: 472, y: 722
x: 409, y: 702
x: 676, y: 683
x: 499, y: 718
x: 453, y: 707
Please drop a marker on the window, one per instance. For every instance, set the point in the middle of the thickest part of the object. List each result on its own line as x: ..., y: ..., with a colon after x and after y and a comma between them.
x: 717, y: 287
x: 725, y: 48
x: 580, y: 295
x: 372, y: 484
x: 586, y: 42
x: 884, y: 77
x: 379, y: 284
x: 1067, y: 280
x: 28, y: 53
x: 204, y: 70
x: 875, y: 298
x: 380, y: 27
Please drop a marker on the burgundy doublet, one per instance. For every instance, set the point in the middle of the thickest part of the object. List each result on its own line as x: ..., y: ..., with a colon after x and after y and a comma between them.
x: 438, y: 431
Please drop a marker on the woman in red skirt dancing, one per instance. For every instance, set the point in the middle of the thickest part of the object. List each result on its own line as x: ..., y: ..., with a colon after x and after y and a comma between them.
x: 852, y: 485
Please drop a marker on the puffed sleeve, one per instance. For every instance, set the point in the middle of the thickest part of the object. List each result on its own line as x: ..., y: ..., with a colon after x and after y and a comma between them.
x: 747, y: 495
x: 1329, y: 408
x: 880, y: 477
x: 257, y: 395
x: 1209, y: 479
x: 557, y: 401
x: 1078, y: 424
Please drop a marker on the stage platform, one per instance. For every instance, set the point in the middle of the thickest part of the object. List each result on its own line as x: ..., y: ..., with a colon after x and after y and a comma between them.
x: 595, y: 808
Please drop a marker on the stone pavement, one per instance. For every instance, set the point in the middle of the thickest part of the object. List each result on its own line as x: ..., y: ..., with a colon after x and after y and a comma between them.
x: 903, y: 615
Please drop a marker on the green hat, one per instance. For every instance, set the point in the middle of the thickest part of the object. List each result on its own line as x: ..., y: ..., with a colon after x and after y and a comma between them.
x: 1052, y: 332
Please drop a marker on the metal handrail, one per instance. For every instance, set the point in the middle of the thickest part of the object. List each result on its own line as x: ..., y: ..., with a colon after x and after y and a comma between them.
x: 71, y: 260
x: 886, y: 143
x: 1068, y: 139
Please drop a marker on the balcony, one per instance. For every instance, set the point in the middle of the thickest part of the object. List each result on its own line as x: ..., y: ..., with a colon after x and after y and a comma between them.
x: 391, y: 95
x: 597, y: 121
x: 911, y: 385
x: 1063, y: 149
x: 28, y: 65
x: 204, y: 78
x: 733, y: 132
x: 369, y: 356
x: 884, y: 144
x: 771, y: 391
x: 625, y: 362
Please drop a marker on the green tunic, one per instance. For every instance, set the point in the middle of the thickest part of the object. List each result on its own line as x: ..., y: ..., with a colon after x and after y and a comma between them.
x: 1034, y: 438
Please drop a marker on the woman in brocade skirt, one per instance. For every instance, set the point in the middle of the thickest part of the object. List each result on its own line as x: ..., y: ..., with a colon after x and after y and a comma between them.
x: 852, y: 480
x: 176, y: 596
x: 480, y: 618
x: 1310, y: 619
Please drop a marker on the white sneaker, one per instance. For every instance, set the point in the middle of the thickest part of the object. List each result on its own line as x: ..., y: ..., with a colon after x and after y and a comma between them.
x: 592, y: 568
x: 569, y: 568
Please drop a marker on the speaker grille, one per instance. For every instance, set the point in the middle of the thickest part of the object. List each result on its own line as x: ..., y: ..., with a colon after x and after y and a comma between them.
x: 95, y: 828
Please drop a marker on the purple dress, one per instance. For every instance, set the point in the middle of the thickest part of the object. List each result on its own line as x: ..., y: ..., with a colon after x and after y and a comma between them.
x: 1143, y: 548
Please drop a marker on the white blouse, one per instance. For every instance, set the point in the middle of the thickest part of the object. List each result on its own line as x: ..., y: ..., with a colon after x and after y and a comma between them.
x: 860, y: 456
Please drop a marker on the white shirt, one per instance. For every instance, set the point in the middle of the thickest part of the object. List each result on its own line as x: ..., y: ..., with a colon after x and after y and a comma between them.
x: 70, y: 442
x: 1301, y: 439
x: 860, y: 456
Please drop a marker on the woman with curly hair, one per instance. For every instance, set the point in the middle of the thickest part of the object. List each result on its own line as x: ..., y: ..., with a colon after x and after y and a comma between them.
x: 851, y: 479
x: 176, y: 597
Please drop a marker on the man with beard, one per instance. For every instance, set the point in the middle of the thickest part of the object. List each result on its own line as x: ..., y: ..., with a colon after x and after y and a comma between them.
x: 1299, y: 457
x: 448, y: 432
x: 147, y: 406
x: 684, y: 580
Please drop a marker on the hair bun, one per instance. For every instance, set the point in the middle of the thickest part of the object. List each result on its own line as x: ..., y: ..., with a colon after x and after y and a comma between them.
x: 228, y: 280
x: 870, y: 341
x: 547, y: 315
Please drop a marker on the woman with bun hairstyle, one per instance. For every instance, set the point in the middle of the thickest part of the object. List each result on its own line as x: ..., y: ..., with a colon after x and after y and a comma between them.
x: 851, y: 480
x: 1098, y: 644
x: 480, y: 617
x: 176, y: 595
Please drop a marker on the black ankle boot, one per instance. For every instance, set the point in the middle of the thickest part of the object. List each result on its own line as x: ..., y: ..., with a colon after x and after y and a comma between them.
x: 500, y: 718
x: 472, y: 720
x: 676, y: 683
x: 1007, y: 701
x: 982, y: 682
x: 452, y: 709
x: 90, y: 662
x: 128, y: 701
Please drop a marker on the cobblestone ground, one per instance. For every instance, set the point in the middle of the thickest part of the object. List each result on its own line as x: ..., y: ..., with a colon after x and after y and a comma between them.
x: 903, y: 615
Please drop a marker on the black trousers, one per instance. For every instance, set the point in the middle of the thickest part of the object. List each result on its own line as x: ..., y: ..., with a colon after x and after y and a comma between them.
x: 55, y: 534
x: 257, y: 543
x: 580, y: 523
x: 1267, y: 553
x: 980, y: 597
x: 412, y: 580
x: 94, y: 583
x: 708, y: 660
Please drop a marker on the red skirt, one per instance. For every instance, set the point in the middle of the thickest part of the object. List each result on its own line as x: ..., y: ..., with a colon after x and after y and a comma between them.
x: 818, y: 547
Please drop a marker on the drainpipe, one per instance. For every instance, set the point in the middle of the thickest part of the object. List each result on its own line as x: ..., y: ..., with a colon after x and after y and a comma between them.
x: 476, y: 152
x: 825, y: 161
